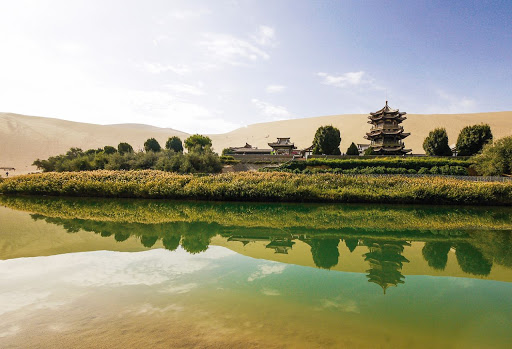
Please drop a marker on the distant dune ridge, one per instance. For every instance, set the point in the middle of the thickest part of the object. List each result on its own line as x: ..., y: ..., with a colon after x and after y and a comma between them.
x: 26, y: 138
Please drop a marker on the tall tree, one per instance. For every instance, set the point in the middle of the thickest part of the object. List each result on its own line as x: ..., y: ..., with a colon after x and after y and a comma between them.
x: 124, y: 148
x: 198, y: 143
x: 472, y: 139
x: 436, y: 143
x: 327, y: 141
x: 152, y: 145
x: 352, y: 150
x: 174, y: 143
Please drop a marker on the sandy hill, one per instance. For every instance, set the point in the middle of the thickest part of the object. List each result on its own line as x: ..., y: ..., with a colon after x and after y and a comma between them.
x: 26, y: 138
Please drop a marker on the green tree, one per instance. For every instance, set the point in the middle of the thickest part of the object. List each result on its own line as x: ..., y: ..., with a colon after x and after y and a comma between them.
x: 73, y: 153
x: 471, y: 260
x: 436, y: 254
x: 436, y: 143
x: 108, y: 149
x: 152, y: 145
x: 174, y: 143
x: 124, y: 148
x: 496, y: 159
x: 369, y: 151
x: 327, y: 141
x: 352, y: 150
x: 472, y: 139
x: 198, y: 143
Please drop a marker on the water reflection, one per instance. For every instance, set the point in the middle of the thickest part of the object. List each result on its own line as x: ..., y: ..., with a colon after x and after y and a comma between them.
x: 483, y: 239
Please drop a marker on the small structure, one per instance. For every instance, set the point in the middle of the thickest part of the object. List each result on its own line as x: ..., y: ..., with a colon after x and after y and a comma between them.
x: 362, y: 148
x: 248, y: 149
x: 386, y: 134
x: 306, y: 152
x: 283, y: 146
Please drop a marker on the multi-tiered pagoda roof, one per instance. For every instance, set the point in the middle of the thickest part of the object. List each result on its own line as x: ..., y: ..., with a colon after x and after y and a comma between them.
x: 386, y: 134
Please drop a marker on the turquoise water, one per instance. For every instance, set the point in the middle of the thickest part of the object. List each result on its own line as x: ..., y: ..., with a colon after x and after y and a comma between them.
x: 101, y: 273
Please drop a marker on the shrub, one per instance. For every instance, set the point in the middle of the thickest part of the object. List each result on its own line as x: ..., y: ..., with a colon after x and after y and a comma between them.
x: 496, y: 159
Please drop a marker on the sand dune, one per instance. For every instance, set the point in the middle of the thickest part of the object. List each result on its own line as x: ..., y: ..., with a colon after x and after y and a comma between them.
x: 26, y: 138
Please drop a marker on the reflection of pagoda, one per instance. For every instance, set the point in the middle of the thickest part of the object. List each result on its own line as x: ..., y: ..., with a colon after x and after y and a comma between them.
x: 386, y: 134
x: 386, y: 261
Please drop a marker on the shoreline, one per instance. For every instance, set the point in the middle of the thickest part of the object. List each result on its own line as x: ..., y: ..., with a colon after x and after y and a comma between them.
x: 262, y: 187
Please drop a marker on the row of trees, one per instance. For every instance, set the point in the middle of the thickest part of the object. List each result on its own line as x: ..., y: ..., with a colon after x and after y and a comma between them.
x: 471, y: 141
x: 200, y: 157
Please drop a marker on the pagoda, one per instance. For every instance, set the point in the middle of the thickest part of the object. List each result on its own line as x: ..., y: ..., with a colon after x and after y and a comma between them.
x: 386, y: 134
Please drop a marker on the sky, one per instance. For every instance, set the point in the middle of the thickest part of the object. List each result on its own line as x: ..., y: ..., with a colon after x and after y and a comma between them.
x: 217, y: 65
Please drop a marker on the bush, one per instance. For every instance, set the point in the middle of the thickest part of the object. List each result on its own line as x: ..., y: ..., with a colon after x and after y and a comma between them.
x: 254, y: 186
x: 496, y: 159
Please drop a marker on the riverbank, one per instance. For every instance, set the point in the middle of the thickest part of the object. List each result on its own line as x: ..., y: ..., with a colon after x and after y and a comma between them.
x: 247, y: 186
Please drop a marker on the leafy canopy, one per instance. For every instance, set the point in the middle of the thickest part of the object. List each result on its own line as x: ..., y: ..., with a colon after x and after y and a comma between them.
x: 152, y: 145
x: 352, y: 150
x: 327, y: 141
x: 124, y: 148
x: 496, y: 159
x: 472, y: 139
x: 436, y: 143
x: 174, y: 143
x: 198, y: 143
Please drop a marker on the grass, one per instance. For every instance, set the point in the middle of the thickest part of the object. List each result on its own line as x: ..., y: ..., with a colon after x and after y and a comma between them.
x: 253, y: 186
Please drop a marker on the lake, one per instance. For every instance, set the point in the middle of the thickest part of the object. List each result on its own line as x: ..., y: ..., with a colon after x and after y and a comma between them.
x: 151, y: 273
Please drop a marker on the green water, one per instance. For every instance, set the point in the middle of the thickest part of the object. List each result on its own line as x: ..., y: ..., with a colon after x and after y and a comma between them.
x: 141, y: 273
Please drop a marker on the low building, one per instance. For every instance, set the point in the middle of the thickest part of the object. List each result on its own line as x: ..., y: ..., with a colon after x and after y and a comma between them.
x: 362, y: 148
x: 283, y: 146
x: 248, y: 149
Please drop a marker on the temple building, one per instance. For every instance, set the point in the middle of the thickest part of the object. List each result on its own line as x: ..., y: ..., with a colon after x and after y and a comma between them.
x: 248, y: 149
x: 283, y: 146
x: 386, y: 134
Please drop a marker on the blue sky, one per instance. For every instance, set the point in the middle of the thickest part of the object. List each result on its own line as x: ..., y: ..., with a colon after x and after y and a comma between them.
x: 212, y: 66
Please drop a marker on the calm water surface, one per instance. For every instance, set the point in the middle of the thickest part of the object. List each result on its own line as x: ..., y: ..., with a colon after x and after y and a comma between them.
x: 133, y: 273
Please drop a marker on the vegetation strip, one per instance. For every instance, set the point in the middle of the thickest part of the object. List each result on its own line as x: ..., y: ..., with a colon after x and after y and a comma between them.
x: 250, y: 186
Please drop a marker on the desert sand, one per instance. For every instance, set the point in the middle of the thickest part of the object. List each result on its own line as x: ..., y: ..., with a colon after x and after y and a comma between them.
x: 26, y: 138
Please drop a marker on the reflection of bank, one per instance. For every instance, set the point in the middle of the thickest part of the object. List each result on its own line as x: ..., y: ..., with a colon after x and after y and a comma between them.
x: 386, y: 262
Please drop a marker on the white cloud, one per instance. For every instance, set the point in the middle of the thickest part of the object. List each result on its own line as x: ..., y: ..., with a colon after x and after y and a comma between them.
x: 157, y: 68
x: 275, y: 88
x: 350, y: 79
x: 231, y: 50
x: 266, y: 36
x: 276, y: 111
x: 454, y: 104
x: 195, y: 90
x: 266, y: 270
x: 188, y: 14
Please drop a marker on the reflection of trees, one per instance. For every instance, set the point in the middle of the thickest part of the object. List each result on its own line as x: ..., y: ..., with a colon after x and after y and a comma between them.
x: 120, y: 237
x: 325, y: 252
x: 386, y: 261
x: 351, y: 243
x: 436, y: 254
x: 148, y: 240
x: 171, y: 242
x: 195, y: 242
x: 471, y: 260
